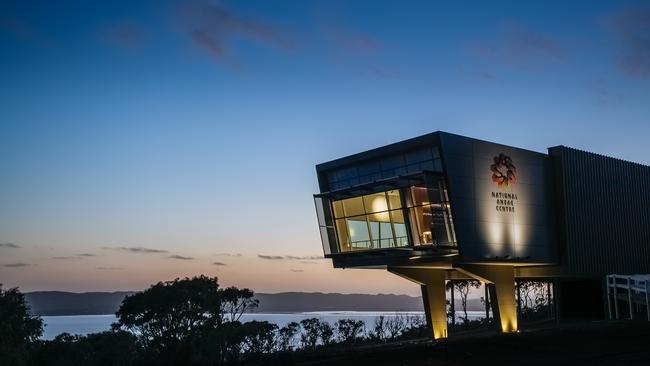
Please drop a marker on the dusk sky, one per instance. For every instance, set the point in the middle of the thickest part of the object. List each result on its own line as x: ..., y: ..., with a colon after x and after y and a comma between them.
x: 143, y: 141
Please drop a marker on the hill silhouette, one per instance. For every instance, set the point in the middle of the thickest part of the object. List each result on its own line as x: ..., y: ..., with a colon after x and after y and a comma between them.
x: 95, y: 303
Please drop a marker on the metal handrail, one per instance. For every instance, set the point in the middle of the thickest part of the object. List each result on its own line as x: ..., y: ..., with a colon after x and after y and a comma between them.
x: 633, y: 285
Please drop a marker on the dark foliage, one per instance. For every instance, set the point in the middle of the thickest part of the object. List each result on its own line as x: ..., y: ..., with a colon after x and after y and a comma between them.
x: 190, y: 321
x: 18, y: 328
x: 98, y: 349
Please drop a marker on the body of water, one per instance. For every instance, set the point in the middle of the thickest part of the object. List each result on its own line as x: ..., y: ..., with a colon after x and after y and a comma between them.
x: 84, y: 324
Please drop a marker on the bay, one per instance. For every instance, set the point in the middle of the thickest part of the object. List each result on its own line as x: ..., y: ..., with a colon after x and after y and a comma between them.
x: 85, y: 324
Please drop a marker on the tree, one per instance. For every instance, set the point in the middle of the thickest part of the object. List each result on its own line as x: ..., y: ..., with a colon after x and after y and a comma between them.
x: 106, y: 348
x: 286, y: 336
x: 464, y: 288
x: 259, y: 337
x: 311, y: 332
x: 169, y: 312
x: 533, y: 297
x: 349, y: 330
x: 18, y: 327
x: 395, y: 326
x: 326, y: 333
x: 379, y: 330
x: 235, y: 302
x: 188, y: 320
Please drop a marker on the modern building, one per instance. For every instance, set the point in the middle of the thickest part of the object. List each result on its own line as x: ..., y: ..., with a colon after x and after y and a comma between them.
x: 442, y: 207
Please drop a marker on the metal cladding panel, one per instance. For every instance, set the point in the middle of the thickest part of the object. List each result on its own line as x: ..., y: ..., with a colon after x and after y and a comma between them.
x: 606, y: 213
x: 501, y: 200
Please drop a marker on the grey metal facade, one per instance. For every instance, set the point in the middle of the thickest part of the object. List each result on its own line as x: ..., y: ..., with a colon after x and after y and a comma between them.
x: 524, y: 235
x: 603, y: 211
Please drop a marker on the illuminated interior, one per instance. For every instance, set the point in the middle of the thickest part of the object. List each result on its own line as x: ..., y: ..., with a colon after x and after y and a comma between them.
x: 374, y: 221
x: 411, y: 216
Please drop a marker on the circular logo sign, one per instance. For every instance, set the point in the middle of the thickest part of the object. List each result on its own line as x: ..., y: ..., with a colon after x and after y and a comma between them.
x: 504, y: 172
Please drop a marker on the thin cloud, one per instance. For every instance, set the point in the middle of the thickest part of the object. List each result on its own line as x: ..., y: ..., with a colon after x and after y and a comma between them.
x: 137, y: 250
x: 16, y: 265
x: 519, y: 45
x: 228, y: 254
x: 631, y: 27
x: 219, y: 264
x: 123, y: 35
x: 348, y: 39
x: 76, y: 256
x: 305, y: 258
x: 212, y: 27
x: 288, y: 257
x: 604, y: 92
x: 176, y: 256
x: 109, y: 268
x: 17, y: 27
x: 270, y: 257
x: 354, y: 49
x: 9, y: 245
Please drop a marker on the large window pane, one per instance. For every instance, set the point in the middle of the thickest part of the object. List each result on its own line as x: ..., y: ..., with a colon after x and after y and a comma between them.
x: 386, y: 235
x: 394, y: 200
x: 375, y: 202
x: 419, y: 196
x: 353, y: 206
x: 400, y: 228
x: 380, y: 230
x: 344, y: 238
x: 358, y: 231
x: 338, y: 209
x: 423, y: 223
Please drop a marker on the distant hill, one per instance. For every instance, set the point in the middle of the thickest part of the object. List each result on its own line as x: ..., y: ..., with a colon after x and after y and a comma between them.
x: 92, y: 303
x: 316, y: 301
x: 71, y: 303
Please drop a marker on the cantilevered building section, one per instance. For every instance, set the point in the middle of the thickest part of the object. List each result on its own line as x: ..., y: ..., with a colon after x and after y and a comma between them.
x: 441, y: 207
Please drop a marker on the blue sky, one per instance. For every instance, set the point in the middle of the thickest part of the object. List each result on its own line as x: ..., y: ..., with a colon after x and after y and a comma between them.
x: 191, y: 128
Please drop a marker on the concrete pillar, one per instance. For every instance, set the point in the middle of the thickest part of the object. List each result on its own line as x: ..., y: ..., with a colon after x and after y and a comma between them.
x: 494, y: 304
x: 432, y: 283
x: 435, y: 306
x: 503, y: 278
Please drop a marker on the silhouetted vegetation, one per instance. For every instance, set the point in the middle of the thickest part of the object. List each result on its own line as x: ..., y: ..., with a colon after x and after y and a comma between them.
x: 18, y: 329
x: 535, y: 300
x: 190, y: 321
x: 462, y: 288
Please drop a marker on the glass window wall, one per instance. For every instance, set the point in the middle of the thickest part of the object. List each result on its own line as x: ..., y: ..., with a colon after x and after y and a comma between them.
x: 417, y: 215
x: 430, y: 214
x: 373, y: 221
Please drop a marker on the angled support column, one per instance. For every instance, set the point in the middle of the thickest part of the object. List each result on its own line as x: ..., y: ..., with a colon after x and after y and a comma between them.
x: 503, y: 278
x: 432, y: 283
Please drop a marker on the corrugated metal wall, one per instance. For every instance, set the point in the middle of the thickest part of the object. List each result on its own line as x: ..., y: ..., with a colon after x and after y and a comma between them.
x: 605, y: 213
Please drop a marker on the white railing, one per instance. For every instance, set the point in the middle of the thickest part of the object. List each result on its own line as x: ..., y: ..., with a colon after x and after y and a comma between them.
x: 636, y: 287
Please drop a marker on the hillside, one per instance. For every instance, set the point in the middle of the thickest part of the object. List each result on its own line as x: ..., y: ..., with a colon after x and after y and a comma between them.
x: 90, y: 303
